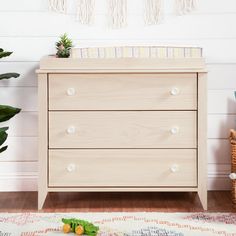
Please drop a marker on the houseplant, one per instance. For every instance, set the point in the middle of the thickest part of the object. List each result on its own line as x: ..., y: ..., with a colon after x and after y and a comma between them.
x: 6, y: 112
x: 64, y: 46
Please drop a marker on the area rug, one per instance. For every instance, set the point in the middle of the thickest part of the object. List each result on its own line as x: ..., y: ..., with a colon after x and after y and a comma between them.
x: 122, y: 224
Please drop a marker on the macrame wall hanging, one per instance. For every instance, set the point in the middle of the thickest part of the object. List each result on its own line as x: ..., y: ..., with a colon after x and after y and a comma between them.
x: 85, y: 11
x: 153, y: 11
x: 185, y: 6
x: 58, y: 5
x: 117, y: 10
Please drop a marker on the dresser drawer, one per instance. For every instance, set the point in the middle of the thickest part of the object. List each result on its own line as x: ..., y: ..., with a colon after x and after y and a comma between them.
x: 122, y: 129
x: 127, y: 168
x: 122, y: 91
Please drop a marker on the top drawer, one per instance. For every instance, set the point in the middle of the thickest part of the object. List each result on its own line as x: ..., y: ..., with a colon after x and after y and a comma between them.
x: 123, y: 91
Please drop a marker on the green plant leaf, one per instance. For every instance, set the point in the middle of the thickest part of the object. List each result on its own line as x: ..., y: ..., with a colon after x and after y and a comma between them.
x: 4, y: 129
x: 4, y: 54
x: 3, y: 149
x: 63, y: 46
x: 3, y: 137
x: 9, y: 75
x: 7, y: 112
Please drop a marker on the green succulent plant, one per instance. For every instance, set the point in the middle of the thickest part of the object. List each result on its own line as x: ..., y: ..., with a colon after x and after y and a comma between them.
x: 63, y: 46
x: 6, y: 112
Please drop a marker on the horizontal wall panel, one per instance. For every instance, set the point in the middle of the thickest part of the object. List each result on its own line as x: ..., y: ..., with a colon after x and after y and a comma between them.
x: 24, y: 124
x: 218, y: 176
x: 25, y: 69
x: 39, y: 46
x: 30, y: 183
x: 18, y: 168
x: 212, y: 6
x: 23, y: 97
x: 221, y: 102
x: 221, y: 76
x: 46, y: 24
x: 218, y: 151
x: 218, y: 183
x: 214, y: 50
x: 25, y: 149
x: 220, y: 125
x: 219, y: 169
x: 23, y: 5
x: 20, y: 149
x: 26, y: 99
x: 205, y: 6
x: 43, y: 5
x: 31, y: 168
x: 18, y: 183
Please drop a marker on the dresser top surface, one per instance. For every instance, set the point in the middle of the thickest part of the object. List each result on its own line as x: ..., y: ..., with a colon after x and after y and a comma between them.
x: 51, y: 64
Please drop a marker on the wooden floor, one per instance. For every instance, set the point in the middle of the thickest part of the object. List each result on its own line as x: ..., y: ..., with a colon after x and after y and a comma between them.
x: 218, y: 201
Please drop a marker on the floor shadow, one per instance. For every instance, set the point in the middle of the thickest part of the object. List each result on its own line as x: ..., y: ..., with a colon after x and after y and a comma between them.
x: 218, y: 201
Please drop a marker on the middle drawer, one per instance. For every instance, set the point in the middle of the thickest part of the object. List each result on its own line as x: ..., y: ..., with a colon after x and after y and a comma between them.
x: 122, y: 129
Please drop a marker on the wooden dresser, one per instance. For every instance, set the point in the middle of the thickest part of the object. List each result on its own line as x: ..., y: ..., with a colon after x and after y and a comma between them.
x: 122, y: 125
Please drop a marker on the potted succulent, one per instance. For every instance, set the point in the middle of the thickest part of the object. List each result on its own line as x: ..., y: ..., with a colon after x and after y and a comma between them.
x: 6, y: 112
x: 64, y: 46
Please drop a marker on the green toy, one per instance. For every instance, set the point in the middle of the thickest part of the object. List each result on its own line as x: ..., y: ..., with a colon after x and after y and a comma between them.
x: 79, y: 227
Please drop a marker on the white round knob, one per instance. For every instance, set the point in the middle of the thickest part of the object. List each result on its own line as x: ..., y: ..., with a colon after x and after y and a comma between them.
x: 71, y: 130
x: 71, y: 167
x: 174, y: 168
x: 71, y: 91
x: 174, y: 130
x: 174, y: 91
x: 232, y: 176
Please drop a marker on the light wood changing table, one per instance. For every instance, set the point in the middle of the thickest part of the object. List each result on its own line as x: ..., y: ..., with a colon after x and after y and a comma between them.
x: 122, y: 125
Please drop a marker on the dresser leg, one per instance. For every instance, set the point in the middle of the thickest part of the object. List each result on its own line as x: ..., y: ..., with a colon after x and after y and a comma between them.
x: 42, y: 138
x: 203, y: 199
x: 202, y: 139
x: 41, y: 199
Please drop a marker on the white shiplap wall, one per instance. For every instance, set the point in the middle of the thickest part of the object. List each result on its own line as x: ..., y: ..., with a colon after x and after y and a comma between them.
x: 30, y: 30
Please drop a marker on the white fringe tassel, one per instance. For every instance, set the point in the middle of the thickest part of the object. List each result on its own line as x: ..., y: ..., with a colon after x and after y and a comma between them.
x: 58, y: 5
x: 153, y: 12
x: 85, y: 11
x: 118, y: 13
x: 185, y: 6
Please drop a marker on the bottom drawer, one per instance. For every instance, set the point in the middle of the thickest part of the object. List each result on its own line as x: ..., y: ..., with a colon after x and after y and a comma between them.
x: 123, y: 168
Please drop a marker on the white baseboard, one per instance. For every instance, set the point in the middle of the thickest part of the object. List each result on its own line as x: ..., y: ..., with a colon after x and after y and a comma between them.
x: 18, y: 183
x: 219, y: 183
x: 29, y: 183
